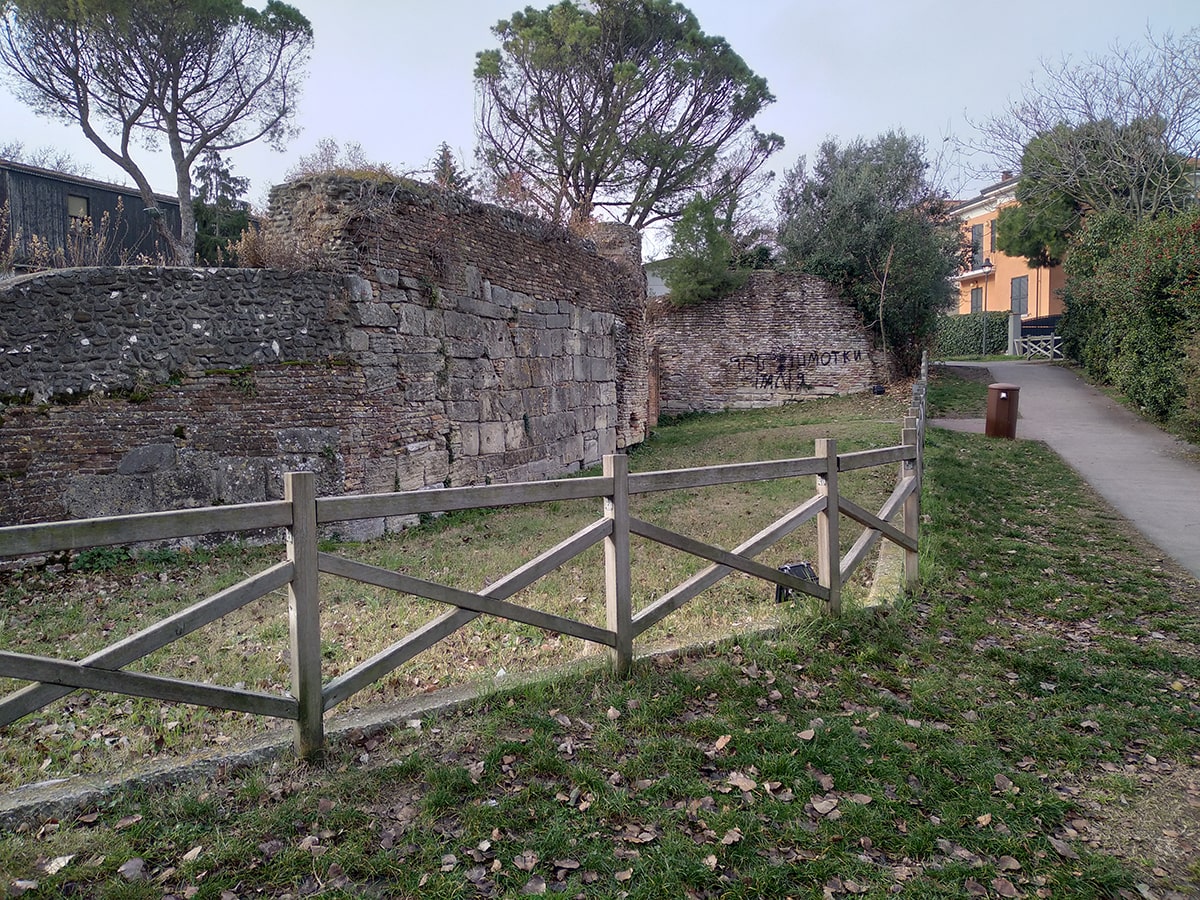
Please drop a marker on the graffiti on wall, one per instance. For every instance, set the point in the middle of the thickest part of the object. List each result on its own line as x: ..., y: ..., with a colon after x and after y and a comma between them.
x: 787, y: 371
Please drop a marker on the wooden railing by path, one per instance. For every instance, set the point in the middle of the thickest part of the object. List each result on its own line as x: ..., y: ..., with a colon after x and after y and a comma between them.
x: 1047, y: 346
x: 302, y: 514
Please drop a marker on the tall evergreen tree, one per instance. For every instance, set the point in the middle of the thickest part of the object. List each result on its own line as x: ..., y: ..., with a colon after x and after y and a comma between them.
x: 202, y: 74
x: 868, y: 219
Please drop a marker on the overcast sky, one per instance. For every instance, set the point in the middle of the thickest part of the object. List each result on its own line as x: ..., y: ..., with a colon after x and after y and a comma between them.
x: 395, y: 75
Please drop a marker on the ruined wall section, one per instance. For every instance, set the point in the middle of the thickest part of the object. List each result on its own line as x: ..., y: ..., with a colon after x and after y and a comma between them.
x: 523, y: 280
x: 432, y: 358
x: 781, y: 338
x: 70, y: 332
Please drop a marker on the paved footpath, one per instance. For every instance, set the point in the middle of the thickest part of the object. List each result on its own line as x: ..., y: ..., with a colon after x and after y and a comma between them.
x: 1151, y: 478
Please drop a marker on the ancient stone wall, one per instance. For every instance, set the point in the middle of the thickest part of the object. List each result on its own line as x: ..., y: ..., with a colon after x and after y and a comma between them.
x: 449, y: 343
x: 71, y: 332
x: 457, y: 253
x: 430, y: 361
x: 779, y: 339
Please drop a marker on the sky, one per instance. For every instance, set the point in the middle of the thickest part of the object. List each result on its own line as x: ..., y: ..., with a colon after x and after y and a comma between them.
x: 396, y: 75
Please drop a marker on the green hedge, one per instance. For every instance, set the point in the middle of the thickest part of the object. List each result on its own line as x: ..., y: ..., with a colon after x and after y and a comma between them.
x: 1133, y: 312
x: 964, y: 335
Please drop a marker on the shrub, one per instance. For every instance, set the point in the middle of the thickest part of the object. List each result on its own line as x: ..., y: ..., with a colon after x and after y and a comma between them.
x: 701, y: 263
x: 100, y: 559
x: 1133, y: 309
x: 967, y: 335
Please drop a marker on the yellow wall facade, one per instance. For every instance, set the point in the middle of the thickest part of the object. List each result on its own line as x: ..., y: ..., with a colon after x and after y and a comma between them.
x: 993, y: 275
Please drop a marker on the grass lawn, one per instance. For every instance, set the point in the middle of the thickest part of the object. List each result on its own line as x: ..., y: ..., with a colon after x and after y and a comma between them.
x: 1025, y: 724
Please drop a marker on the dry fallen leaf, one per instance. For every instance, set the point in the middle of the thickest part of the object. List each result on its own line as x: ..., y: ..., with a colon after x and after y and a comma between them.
x: 732, y: 836
x: 535, y: 885
x: 526, y: 860
x: 51, y: 867
x: 742, y: 782
x: 624, y: 875
x: 613, y: 714
x: 132, y: 870
x: 723, y: 741
x: 1007, y: 864
x: 807, y: 734
x: 1063, y: 848
x: 192, y: 854
x: 1004, y: 887
x: 984, y: 820
x: 824, y: 806
x: 127, y: 821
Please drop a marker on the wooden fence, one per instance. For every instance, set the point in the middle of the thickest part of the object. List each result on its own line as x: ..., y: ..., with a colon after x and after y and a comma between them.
x: 1046, y: 346
x: 301, y: 513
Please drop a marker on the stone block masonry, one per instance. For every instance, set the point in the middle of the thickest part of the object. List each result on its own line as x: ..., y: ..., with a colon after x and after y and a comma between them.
x: 781, y: 338
x: 448, y: 343
x: 423, y: 361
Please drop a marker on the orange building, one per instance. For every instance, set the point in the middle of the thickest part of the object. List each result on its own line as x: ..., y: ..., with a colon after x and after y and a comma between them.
x: 995, y: 281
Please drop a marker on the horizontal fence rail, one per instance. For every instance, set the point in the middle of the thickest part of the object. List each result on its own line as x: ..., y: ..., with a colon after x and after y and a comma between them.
x: 1040, y: 347
x: 301, y: 513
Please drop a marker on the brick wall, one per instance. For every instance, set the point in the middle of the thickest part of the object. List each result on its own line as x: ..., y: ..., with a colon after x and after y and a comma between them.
x: 457, y: 344
x: 452, y: 343
x: 781, y: 338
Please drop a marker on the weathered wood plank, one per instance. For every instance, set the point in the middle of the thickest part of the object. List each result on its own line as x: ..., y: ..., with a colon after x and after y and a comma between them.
x: 545, y: 563
x: 618, y: 579
x: 49, y: 537
x: 371, y: 670
x: 867, y: 459
x: 408, y: 503
x: 707, y: 476
x: 304, y: 614
x: 875, y: 523
x: 828, y: 552
x: 706, y: 578
x: 912, y: 507
x: 856, y: 554
x: 73, y: 675
x: 385, y: 578
x: 722, y: 557
x: 35, y: 696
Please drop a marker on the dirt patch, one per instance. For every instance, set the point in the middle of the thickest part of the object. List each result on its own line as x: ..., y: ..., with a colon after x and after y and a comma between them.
x: 1147, y: 812
x: 978, y: 374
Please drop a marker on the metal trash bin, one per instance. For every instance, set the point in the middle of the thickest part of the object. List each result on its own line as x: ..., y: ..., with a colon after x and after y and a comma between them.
x: 802, y: 570
x: 1002, y: 410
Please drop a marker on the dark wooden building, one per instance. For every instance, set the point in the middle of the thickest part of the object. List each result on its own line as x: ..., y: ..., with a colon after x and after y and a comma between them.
x: 77, y: 221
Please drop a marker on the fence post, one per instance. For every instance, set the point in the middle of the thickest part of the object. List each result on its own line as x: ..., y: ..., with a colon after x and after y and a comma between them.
x: 617, y: 578
x: 304, y: 614
x: 912, y: 503
x: 829, y: 551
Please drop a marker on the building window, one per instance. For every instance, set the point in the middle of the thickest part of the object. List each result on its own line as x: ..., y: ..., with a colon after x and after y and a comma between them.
x: 976, y: 299
x: 77, y: 209
x: 1020, y: 294
x: 992, y: 229
x: 976, y: 247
